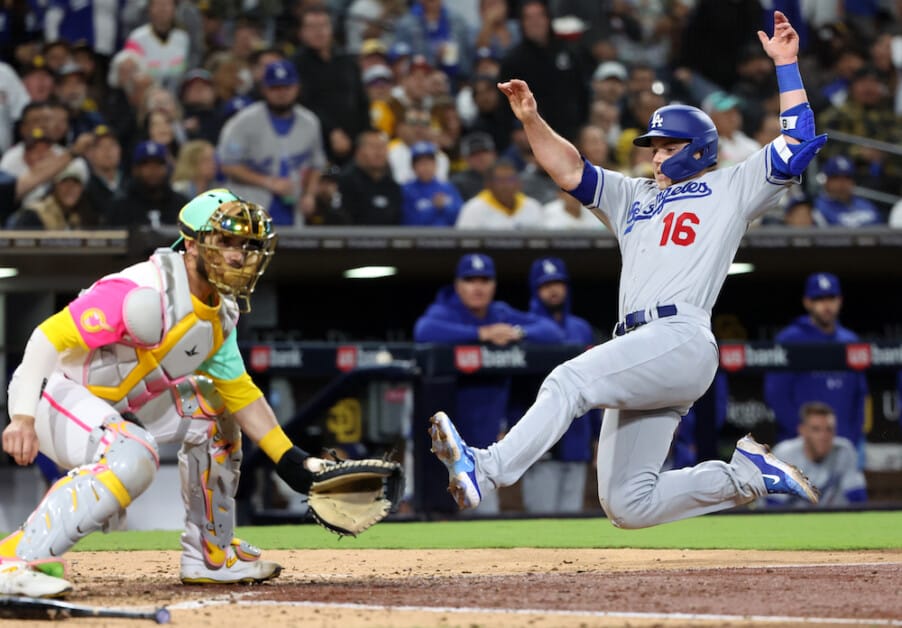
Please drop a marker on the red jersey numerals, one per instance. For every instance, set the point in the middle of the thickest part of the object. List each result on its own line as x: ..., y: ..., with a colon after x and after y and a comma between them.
x: 679, y: 229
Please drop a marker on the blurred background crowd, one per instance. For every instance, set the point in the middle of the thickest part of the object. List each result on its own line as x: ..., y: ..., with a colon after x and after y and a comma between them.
x: 386, y: 112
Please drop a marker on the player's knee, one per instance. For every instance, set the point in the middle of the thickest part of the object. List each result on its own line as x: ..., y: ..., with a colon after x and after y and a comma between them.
x: 623, y: 509
x: 133, y: 457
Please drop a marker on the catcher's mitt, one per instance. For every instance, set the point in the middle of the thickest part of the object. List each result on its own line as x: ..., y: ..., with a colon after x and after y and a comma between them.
x: 348, y: 497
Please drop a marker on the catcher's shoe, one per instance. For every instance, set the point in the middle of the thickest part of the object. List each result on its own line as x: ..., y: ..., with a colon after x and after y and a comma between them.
x: 778, y: 476
x: 17, y: 577
x: 450, y: 448
x: 242, y: 565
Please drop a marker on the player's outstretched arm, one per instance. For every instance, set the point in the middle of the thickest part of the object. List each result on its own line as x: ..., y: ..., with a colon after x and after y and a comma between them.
x: 558, y: 157
x: 798, y: 144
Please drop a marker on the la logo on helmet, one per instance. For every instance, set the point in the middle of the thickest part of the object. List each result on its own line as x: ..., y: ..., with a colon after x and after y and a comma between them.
x: 657, y: 121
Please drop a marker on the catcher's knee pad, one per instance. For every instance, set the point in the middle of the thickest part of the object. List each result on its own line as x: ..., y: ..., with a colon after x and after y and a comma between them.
x: 89, y: 495
x: 209, y: 474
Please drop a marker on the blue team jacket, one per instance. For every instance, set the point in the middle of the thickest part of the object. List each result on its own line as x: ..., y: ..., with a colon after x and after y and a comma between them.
x: 844, y: 391
x: 418, y: 208
x: 481, y: 399
x: 858, y: 212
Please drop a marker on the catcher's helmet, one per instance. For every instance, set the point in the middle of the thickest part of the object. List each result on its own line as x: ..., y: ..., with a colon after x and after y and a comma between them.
x: 236, y: 241
x: 685, y: 123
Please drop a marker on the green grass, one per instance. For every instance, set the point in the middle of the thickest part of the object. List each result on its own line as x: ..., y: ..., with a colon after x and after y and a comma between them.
x: 804, y: 531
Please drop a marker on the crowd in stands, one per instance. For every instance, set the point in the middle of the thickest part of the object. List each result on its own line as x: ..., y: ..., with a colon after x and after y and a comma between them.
x: 386, y: 112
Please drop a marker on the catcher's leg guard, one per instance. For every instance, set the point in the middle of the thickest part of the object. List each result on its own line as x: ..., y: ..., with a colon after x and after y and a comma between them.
x: 209, y: 473
x: 89, y: 495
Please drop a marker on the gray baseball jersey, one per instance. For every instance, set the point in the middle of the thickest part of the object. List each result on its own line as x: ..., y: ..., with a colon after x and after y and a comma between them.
x: 677, y: 244
x: 249, y: 139
x: 836, y: 476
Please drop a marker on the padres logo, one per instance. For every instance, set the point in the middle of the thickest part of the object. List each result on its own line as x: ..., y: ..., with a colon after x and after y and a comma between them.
x: 94, y: 320
x: 345, y: 421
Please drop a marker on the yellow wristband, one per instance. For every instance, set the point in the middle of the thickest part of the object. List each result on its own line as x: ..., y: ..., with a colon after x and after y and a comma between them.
x: 275, y: 443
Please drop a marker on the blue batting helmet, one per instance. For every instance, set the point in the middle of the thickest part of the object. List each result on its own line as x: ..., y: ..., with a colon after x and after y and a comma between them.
x: 685, y: 123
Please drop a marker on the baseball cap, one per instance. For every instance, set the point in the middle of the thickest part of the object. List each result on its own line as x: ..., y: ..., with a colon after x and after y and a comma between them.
x: 377, y: 72
x: 476, y: 142
x: 419, y: 61
x: 373, y: 47
x: 486, y: 52
x: 70, y: 68
x: 547, y: 269
x: 838, y: 166
x: 475, y: 265
x: 280, y: 73
x: 147, y: 151
x: 609, y: 69
x: 197, y: 74
x: 866, y: 71
x: 422, y: 149
x: 77, y: 169
x: 37, y: 64
x: 399, y: 49
x: 821, y: 285
x: 719, y: 101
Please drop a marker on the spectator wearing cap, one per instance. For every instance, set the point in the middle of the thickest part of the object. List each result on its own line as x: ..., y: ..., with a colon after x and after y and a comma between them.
x: 37, y: 77
x: 329, y: 209
x: 733, y: 146
x: 837, y: 204
x: 556, y: 483
x: 467, y: 313
x: 259, y: 59
x: 15, y: 187
x: 72, y: 91
x: 867, y: 112
x: 497, y: 31
x: 434, y: 29
x: 106, y: 181
x: 478, y: 149
x: 35, y: 147
x: 372, y: 52
x: 844, y: 391
x: 609, y: 83
x: 400, y: 55
x: 366, y: 20
x: 128, y: 83
x: 164, y: 47
x: 556, y: 74
x: 487, y: 64
x: 271, y: 151
x: 501, y: 205
x: 195, y: 168
x: 65, y: 206
x: 200, y: 119
x: 378, y: 81
x: 13, y: 101
x: 412, y: 89
x: 149, y: 198
x: 416, y: 126
x: 333, y: 89
x: 369, y: 193
x: 428, y: 202
x: 797, y: 208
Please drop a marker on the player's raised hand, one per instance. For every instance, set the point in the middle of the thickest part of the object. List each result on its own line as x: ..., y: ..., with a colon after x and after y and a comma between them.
x: 522, y: 102
x: 783, y: 47
x: 20, y: 439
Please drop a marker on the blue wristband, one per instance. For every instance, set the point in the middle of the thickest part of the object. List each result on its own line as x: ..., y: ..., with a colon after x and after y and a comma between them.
x: 788, y: 77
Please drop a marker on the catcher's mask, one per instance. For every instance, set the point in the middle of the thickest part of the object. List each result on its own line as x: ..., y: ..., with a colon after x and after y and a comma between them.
x: 236, y: 242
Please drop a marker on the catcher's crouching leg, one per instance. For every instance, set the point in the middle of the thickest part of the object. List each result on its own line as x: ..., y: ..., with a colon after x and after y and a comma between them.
x: 209, y: 473
x: 86, y: 498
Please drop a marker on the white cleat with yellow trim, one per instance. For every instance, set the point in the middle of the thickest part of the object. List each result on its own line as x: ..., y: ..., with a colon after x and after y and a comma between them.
x: 242, y: 565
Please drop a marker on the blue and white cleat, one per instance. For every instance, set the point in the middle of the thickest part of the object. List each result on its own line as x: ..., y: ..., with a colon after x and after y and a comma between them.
x: 450, y: 448
x: 778, y: 476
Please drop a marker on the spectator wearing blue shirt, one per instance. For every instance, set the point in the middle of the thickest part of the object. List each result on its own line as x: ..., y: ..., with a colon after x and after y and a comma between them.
x: 557, y: 482
x: 467, y: 313
x: 837, y: 204
x: 428, y: 202
x: 844, y: 391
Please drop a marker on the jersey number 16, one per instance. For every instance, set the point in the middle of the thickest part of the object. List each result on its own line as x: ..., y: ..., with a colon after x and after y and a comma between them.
x: 678, y: 229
